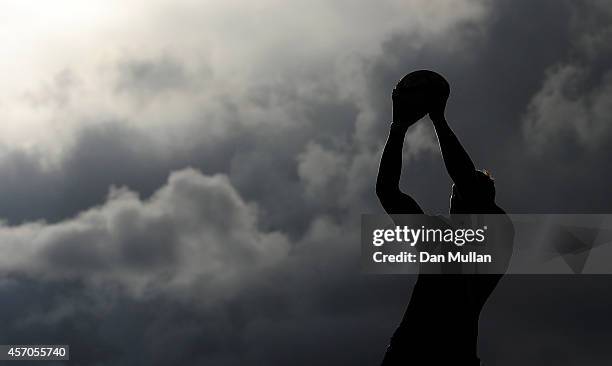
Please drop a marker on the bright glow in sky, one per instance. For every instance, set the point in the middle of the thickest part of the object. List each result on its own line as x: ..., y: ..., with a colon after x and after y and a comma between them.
x: 60, y: 61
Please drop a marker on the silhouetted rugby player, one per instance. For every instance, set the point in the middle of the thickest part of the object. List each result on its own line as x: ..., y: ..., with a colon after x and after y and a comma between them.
x: 440, y: 325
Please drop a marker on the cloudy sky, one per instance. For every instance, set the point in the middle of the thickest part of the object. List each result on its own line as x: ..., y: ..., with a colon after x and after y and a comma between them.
x: 182, y: 180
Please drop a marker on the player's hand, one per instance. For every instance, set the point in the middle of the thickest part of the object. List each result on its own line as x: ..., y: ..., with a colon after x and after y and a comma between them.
x: 407, y: 110
x: 437, y: 108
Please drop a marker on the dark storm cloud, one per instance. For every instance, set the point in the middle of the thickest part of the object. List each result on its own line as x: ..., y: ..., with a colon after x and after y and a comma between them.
x: 188, y: 267
x: 178, y: 262
x: 103, y: 156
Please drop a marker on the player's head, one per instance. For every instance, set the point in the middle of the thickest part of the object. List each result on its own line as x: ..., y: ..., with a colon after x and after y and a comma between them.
x: 483, y: 188
x: 416, y: 91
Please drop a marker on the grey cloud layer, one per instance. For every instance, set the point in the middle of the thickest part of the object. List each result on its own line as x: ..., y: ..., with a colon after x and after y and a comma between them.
x: 193, y: 228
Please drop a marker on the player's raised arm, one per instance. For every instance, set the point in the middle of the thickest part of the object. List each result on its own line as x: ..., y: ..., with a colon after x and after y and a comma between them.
x: 406, y: 112
x: 393, y: 200
x: 458, y: 163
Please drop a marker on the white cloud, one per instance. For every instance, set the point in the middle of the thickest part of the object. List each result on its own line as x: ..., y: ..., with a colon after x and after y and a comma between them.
x: 562, y: 111
x: 65, y: 62
x: 574, y: 103
x: 320, y: 168
x: 195, y: 232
